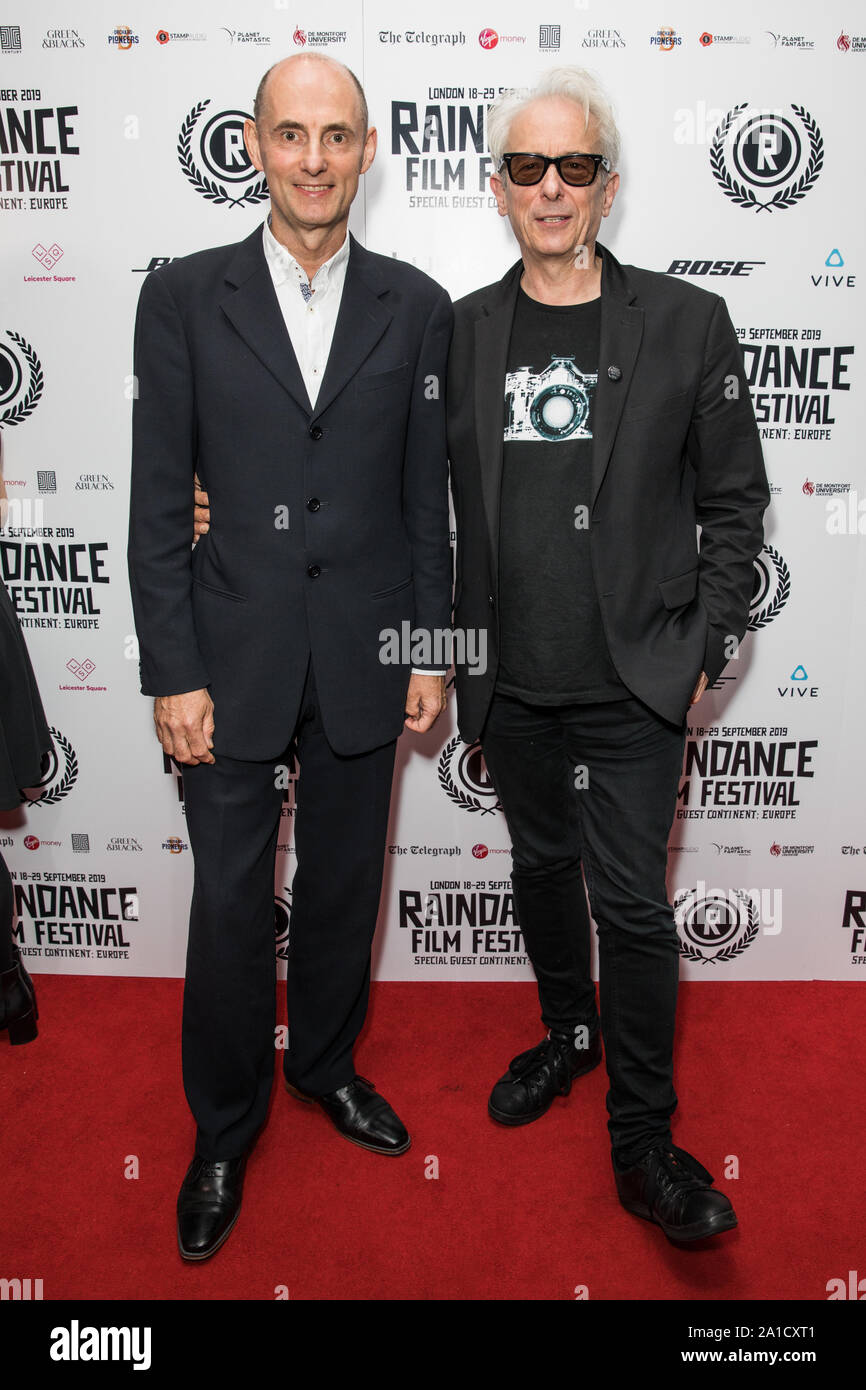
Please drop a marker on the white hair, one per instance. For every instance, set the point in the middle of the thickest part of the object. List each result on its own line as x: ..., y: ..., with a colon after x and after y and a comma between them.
x: 575, y: 84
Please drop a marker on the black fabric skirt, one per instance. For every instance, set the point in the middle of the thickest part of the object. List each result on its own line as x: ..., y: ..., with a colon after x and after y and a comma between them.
x: 24, y: 733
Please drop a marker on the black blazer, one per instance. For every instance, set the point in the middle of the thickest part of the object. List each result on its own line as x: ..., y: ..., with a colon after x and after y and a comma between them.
x: 327, y: 526
x: 675, y: 444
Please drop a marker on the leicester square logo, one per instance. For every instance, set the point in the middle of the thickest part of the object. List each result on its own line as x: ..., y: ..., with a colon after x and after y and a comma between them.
x: 47, y: 256
x: 282, y: 922
x: 772, y: 588
x: 715, y: 926
x: 764, y: 159
x: 464, y: 778
x: 218, y: 141
x: 60, y: 773
x: 21, y: 380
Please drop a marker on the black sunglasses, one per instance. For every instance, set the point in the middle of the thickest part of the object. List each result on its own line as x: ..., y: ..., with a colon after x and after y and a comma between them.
x: 578, y: 170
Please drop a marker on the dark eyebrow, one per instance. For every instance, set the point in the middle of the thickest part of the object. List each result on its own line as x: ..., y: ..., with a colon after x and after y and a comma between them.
x: 326, y: 130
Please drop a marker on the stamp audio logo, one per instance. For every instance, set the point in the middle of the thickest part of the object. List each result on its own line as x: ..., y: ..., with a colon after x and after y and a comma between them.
x: 764, y: 160
x: 228, y: 175
x: 21, y: 380
x: 772, y: 588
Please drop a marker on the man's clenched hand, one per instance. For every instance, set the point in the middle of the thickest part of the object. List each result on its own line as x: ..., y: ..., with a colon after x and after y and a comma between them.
x: 185, y: 725
x: 425, y: 701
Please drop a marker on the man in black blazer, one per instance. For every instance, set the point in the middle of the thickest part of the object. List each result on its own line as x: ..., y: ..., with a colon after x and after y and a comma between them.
x: 597, y: 415
x: 301, y: 376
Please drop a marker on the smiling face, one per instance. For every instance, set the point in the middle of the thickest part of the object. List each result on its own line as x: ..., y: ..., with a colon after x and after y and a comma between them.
x: 550, y: 219
x: 311, y: 146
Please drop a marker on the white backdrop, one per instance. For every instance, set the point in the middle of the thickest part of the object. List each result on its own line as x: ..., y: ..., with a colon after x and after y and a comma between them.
x: 742, y: 168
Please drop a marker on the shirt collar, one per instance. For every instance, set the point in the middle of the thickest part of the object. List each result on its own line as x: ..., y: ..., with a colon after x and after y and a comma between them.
x: 284, y: 267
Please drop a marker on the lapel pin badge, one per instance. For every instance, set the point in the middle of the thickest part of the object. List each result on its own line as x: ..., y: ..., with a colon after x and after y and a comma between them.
x: 614, y: 373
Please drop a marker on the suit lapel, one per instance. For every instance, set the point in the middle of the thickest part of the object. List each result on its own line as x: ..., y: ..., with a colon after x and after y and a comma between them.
x: 252, y: 307
x: 492, y: 336
x: 361, y: 321
x: 621, y: 332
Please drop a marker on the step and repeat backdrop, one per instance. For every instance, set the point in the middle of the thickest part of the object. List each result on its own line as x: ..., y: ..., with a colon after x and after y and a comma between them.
x: 121, y: 148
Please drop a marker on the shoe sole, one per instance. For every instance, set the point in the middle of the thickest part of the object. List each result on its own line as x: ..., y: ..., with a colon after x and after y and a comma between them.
x: 684, y: 1235
x: 196, y: 1259
x: 511, y: 1121
x: 371, y: 1148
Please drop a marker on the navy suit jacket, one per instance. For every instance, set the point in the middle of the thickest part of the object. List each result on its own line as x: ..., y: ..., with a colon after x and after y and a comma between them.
x: 328, y: 525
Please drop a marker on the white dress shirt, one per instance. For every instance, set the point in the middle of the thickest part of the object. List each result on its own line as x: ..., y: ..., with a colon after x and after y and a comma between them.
x: 309, y: 309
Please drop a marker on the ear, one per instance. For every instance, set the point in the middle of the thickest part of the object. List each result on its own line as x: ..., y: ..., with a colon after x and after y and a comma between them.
x: 497, y: 188
x: 610, y: 189
x: 370, y: 147
x: 251, y: 140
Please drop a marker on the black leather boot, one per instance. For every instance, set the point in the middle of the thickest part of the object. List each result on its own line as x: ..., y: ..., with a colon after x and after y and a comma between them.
x: 18, y: 1007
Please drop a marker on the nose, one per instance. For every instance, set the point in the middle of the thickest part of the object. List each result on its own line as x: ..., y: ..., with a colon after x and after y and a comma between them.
x: 314, y: 156
x: 551, y: 184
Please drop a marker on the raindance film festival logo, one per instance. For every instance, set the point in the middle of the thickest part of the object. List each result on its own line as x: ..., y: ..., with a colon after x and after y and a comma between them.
x: 21, y: 380
x: 59, y: 775
x: 715, y: 926
x: 282, y: 922
x: 463, y: 777
x: 763, y: 159
x: 217, y: 141
x: 772, y: 588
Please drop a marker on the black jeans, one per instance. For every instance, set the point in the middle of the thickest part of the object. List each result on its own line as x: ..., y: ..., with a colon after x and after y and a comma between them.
x: 596, y: 785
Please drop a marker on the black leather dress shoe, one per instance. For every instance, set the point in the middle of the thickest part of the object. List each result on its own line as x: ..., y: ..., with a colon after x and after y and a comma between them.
x: 362, y: 1115
x: 18, y: 1008
x: 535, y: 1078
x: 208, y: 1205
x: 669, y: 1186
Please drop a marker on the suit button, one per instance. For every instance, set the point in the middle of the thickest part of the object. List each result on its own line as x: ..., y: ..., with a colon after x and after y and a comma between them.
x: 314, y: 571
x: 316, y: 432
x: 614, y: 373
x: 313, y: 504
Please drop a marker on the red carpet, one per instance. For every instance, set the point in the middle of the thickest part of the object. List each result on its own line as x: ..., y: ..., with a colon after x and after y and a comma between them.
x: 768, y: 1072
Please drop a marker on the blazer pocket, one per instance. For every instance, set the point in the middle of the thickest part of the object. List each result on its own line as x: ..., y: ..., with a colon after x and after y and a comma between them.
x: 393, y: 588
x: 679, y: 590
x: 665, y: 405
x: 220, y: 593
x: 375, y: 380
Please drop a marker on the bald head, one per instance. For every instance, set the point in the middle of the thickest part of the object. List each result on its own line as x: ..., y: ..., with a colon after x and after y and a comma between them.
x: 285, y: 68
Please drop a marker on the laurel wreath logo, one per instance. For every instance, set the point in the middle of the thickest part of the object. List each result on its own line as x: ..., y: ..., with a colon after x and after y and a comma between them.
x: 763, y: 616
x: 449, y: 786
x: 16, y: 413
x: 786, y: 197
x: 208, y: 188
x: 68, y: 780
x: 736, y: 948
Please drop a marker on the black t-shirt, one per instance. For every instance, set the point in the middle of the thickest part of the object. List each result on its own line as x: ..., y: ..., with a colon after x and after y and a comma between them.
x: 552, y: 645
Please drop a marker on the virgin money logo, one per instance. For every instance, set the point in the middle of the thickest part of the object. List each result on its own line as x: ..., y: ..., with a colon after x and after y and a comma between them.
x: 480, y: 851
x: 488, y: 38
x: 31, y: 842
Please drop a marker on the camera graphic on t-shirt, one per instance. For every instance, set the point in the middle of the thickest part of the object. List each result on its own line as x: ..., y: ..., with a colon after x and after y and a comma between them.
x: 551, y: 405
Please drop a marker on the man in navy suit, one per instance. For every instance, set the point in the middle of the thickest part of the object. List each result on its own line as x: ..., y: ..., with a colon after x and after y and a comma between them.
x: 302, y: 378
